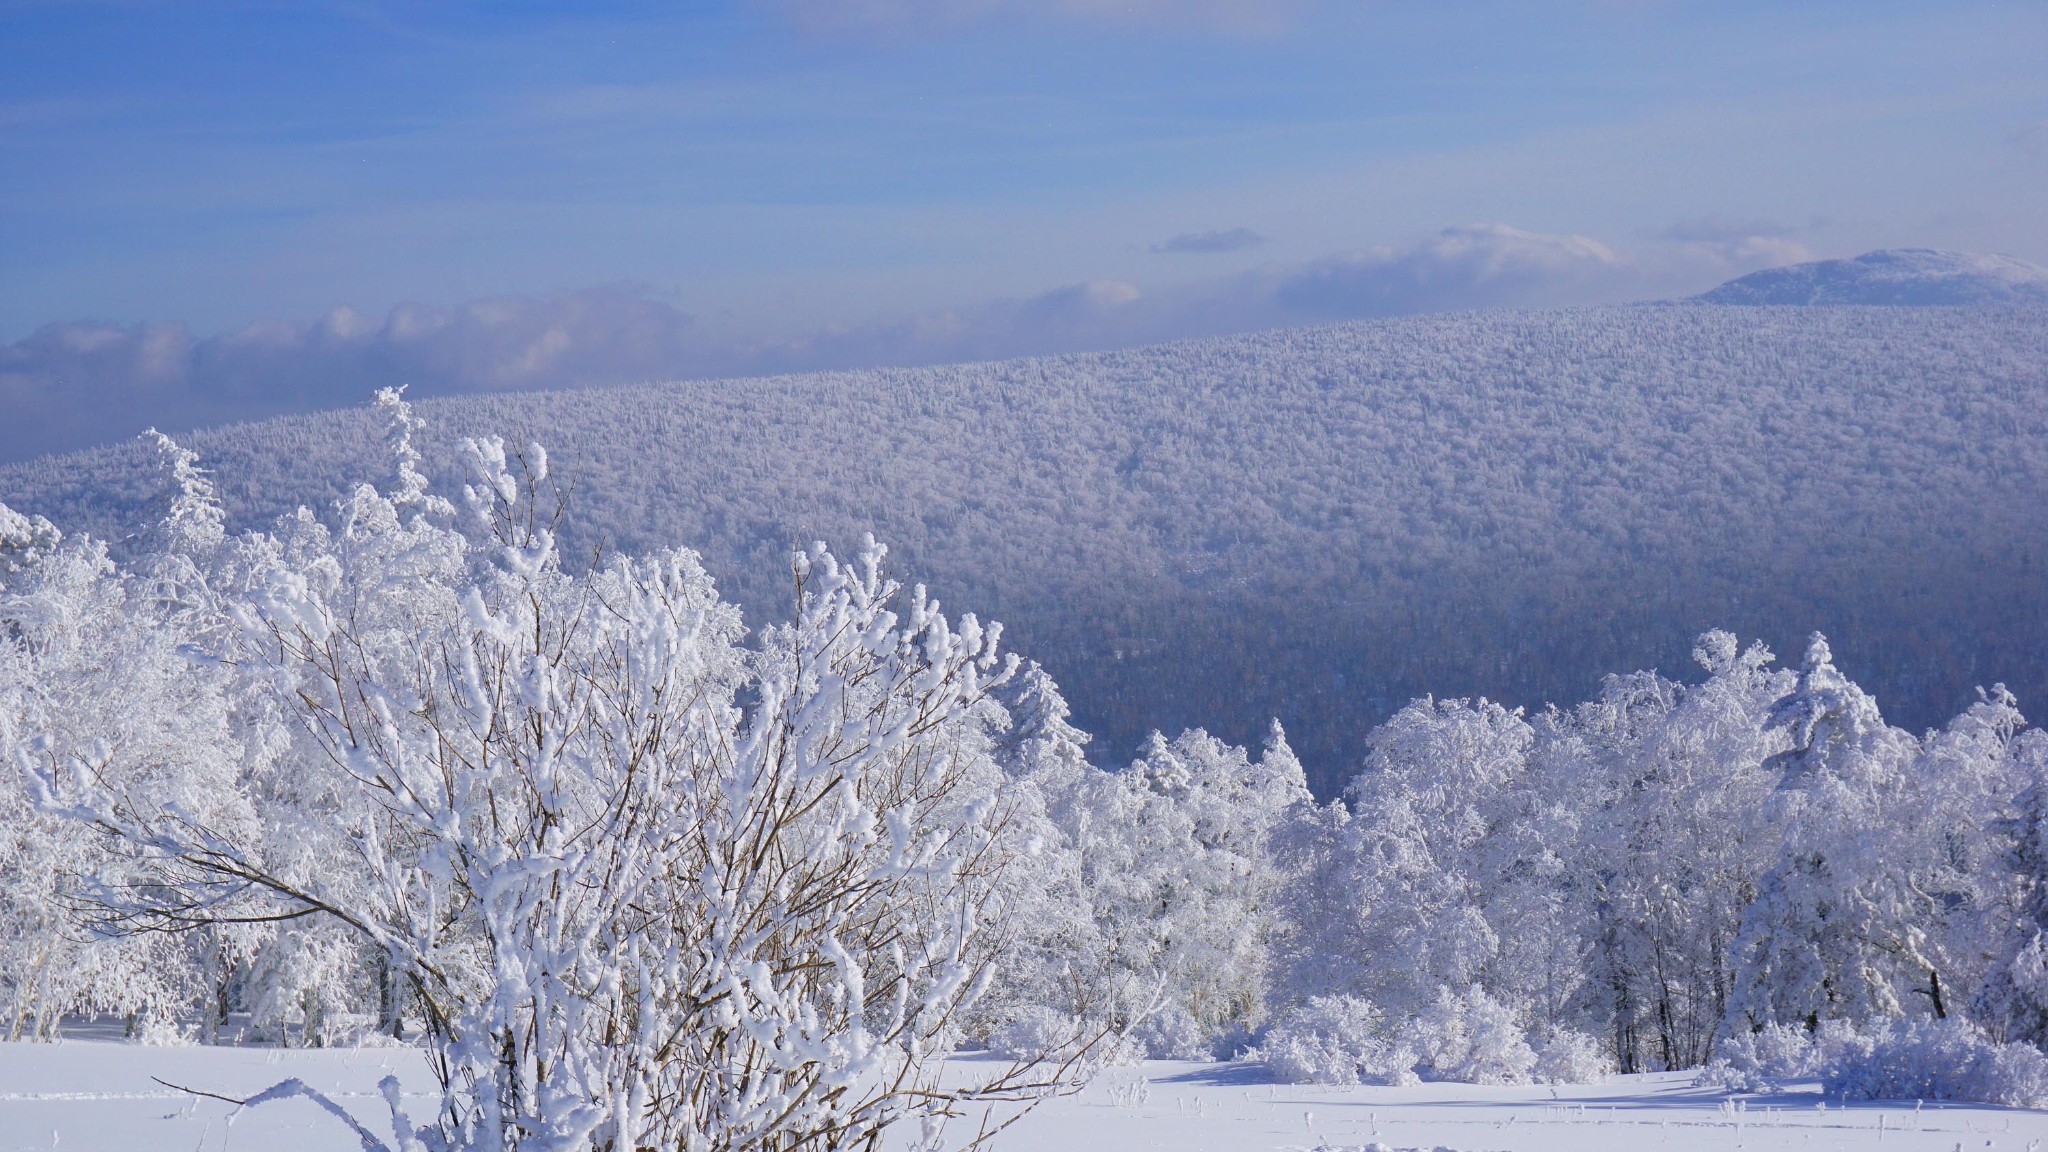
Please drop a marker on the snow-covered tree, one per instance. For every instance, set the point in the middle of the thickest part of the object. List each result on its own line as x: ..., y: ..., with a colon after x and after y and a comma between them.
x: 1678, y: 835
x: 1870, y: 909
x: 646, y: 886
x: 1175, y: 863
x: 2013, y: 999
x: 1425, y: 852
x: 93, y: 674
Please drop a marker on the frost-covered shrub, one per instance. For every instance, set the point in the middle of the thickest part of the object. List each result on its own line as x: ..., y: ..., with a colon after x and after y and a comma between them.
x: 1036, y: 1032
x: 1935, y: 1060
x: 1033, y: 1030
x: 158, y: 1031
x: 1335, y: 1040
x: 1471, y: 1038
x: 1183, y: 888
x: 1758, y: 1060
x: 648, y: 887
x: 1896, y: 1060
x: 1565, y: 1056
x: 1171, y: 1032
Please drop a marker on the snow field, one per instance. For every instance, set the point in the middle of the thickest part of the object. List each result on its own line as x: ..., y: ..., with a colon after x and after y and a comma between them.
x: 101, y: 1097
x: 1226, y: 1108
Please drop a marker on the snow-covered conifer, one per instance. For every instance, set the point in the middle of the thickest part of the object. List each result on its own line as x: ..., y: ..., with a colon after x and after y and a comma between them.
x: 1840, y: 927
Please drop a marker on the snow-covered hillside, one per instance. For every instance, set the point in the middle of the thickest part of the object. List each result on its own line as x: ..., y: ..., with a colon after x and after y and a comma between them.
x: 1892, y: 276
x: 108, y: 1098
x: 1320, y: 524
x: 625, y: 870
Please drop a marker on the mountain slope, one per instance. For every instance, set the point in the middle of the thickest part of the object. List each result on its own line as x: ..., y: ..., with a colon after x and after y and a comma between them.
x: 1318, y: 524
x: 1893, y: 276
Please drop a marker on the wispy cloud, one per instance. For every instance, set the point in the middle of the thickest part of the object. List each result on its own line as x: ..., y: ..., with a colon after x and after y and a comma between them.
x: 1474, y: 266
x: 1734, y: 245
x: 1232, y: 16
x: 81, y: 382
x: 1226, y: 240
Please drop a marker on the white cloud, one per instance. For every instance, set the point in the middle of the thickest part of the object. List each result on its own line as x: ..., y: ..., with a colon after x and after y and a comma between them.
x: 1721, y: 247
x: 79, y: 383
x: 1472, y: 266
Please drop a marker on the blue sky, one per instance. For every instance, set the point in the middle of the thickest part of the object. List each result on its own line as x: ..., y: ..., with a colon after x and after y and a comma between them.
x: 791, y: 183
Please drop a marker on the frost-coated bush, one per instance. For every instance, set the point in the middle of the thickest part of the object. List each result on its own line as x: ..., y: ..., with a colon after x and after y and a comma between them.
x: 1036, y: 1032
x: 1897, y: 1060
x: 1756, y: 1061
x: 1564, y: 1056
x: 1335, y: 1040
x: 161, y: 1032
x: 1034, y: 1029
x: 1171, y: 1032
x: 1471, y: 1038
x: 1935, y: 1060
x: 649, y: 888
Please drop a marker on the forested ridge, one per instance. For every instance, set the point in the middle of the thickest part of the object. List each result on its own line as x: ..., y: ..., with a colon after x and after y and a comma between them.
x: 1320, y: 524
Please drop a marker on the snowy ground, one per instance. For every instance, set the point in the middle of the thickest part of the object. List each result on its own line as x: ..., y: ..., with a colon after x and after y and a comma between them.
x: 99, y: 1097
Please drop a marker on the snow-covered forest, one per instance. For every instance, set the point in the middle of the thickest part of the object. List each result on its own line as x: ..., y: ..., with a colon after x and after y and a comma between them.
x: 1322, y: 524
x: 638, y: 869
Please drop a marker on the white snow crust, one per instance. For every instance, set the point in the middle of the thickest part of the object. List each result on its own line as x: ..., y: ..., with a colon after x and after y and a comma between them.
x: 103, y: 1097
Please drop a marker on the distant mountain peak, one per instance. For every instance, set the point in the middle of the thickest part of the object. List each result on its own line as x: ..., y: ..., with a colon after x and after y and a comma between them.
x: 1899, y: 276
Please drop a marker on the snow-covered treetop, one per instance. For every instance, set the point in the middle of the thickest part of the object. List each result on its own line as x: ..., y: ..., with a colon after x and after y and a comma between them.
x: 23, y: 538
